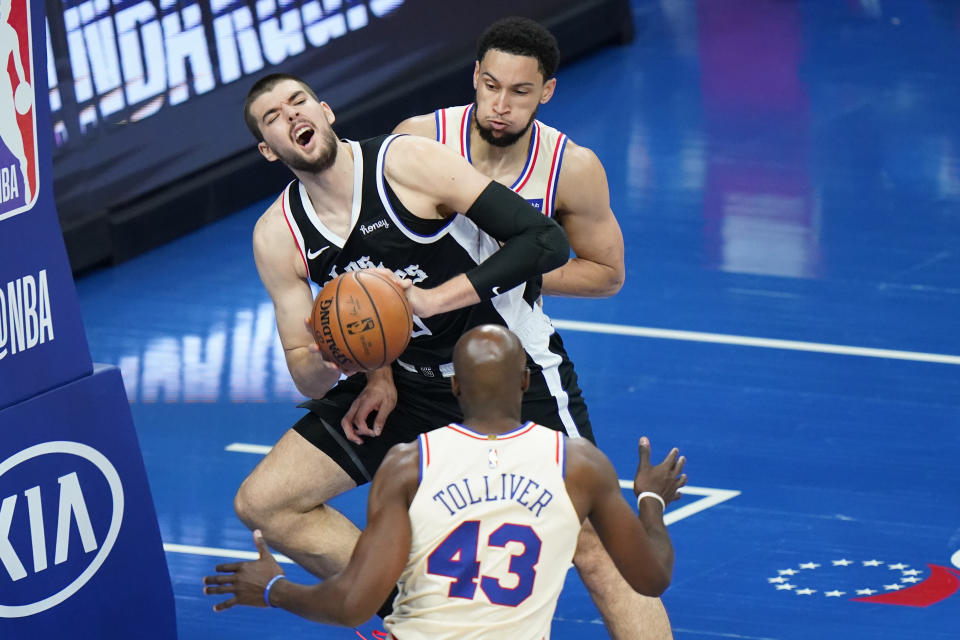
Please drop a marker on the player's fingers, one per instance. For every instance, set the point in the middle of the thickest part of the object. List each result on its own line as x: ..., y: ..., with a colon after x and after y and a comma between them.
x: 678, y: 467
x: 379, y: 421
x: 226, y: 604
x: 261, y: 544
x: 671, y: 458
x: 217, y: 590
x: 644, y: 451
x: 227, y: 568
x: 218, y: 579
x: 350, y: 435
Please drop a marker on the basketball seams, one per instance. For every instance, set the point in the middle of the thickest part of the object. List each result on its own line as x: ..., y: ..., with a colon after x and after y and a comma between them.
x: 343, y: 336
x: 376, y: 312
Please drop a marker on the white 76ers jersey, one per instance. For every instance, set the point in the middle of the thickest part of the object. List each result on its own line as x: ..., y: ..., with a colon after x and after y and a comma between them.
x: 494, y: 533
x: 537, y: 182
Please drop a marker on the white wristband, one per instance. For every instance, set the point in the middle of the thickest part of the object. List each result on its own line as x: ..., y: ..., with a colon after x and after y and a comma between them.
x: 651, y: 494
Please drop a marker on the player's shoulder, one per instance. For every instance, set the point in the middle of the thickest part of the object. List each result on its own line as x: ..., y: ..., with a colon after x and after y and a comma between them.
x: 401, y: 468
x: 424, y: 125
x: 585, y: 462
x: 271, y: 229
x: 579, y: 161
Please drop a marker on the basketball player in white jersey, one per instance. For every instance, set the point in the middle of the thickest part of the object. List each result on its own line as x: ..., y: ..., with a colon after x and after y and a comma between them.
x: 500, y: 135
x: 477, y: 522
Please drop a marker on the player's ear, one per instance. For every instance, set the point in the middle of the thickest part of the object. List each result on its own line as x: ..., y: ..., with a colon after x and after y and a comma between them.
x: 548, y: 89
x: 328, y: 113
x: 455, y: 386
x: 476, y: 74
x: 266, y: 151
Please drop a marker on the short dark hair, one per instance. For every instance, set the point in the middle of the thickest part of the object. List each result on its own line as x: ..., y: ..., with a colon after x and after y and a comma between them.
x: 522, y: 37
x: 262, y: 86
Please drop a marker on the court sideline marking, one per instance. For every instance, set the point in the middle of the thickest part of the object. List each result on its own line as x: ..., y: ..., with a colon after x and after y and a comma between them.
x: 712, y: 497
x: 748, y: 341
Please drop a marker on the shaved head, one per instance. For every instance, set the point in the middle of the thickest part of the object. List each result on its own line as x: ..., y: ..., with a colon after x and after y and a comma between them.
x: 490, y: 373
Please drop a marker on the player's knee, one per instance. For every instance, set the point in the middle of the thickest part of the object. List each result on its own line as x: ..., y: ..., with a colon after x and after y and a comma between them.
x: 252, y: 512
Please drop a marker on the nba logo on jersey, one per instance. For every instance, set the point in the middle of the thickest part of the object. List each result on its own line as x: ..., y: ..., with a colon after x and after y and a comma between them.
x: 19, y: 176
x: 536, y: 203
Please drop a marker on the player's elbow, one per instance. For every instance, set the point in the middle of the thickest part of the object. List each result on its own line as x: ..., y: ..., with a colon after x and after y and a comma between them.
x: 554, y: 247
x: 356, y: 610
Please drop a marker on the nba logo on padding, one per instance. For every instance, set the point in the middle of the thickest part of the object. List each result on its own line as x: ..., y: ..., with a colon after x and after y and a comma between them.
x: 19, y: 176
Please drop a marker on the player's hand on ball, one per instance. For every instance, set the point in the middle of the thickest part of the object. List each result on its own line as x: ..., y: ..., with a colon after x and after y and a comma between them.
x: 325, y: 363
x: 664, y: 479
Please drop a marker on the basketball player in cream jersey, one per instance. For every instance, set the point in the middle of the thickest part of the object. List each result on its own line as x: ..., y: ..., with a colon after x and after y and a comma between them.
x: 500, y: 136
x: 477, y: 522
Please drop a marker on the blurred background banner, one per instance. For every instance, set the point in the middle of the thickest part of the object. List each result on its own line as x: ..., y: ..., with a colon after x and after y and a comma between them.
x: 146, y: 95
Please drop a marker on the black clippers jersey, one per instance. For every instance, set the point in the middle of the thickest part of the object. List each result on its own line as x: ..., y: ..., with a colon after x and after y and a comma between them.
x: 427, y: 252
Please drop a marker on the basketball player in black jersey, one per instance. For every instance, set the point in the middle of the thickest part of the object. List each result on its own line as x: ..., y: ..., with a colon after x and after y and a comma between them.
x: 513, y: 75
x: 385, y: 203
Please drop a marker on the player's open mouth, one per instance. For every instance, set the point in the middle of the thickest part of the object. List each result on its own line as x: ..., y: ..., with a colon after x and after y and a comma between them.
x: 303, y: 134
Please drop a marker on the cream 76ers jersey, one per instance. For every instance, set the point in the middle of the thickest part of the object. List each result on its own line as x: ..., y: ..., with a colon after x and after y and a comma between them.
x: 537, y: 182
x: 494, y: 533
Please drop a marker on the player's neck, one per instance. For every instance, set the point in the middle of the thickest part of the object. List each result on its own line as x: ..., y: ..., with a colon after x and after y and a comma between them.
x: 492, y: 425
x: 331, y: 190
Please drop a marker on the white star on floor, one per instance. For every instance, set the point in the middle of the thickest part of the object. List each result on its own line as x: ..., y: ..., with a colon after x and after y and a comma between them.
x: 912, y: 572
x: 834, y: 594
x: 872, y: 563
x: 787, y: 572
x: 805, y: 592
x: 779, y: 580
x: 865, y: 592
x: 809, y: 565
x: 893, y: 587
x: 911, y: 579
x: 781, y: 587
x: 899, y: 565
x: 842, y: 563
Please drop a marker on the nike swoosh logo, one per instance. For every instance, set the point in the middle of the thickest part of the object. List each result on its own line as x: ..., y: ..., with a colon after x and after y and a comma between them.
x: 496, y: 291
x: 313, y: 254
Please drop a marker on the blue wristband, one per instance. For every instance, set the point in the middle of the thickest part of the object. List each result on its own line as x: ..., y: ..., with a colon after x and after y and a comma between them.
x: 266, y: 590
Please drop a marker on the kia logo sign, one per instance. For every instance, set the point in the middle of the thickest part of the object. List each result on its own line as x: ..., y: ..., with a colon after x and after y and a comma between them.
x: 73, y: 520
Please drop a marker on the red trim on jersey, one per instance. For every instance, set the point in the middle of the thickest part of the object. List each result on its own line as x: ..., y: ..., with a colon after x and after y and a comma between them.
x: 548, y: 202
x: 470, y: 434
x: 426, y: 447
x: 533, y: 161
x: 558, y: 448
x: 283, y: 205
x: 443, y: 126
x: 463, y: 129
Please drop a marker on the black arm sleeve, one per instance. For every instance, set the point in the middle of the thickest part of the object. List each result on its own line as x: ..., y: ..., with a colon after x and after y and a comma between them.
x: 532, y: 243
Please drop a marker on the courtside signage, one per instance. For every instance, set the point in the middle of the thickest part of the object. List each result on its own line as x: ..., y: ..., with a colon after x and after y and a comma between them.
x: 19, y: 174
x: 61, y: 508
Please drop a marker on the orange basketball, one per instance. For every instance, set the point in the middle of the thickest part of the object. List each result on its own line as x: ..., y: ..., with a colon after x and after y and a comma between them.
x: 362, y: 318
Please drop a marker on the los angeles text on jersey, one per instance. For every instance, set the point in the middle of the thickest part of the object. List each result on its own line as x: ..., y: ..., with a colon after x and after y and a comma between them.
x: 26, y: 319
x: 486, y: 488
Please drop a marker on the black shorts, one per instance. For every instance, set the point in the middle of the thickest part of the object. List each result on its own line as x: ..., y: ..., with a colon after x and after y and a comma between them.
x: 554, y: 400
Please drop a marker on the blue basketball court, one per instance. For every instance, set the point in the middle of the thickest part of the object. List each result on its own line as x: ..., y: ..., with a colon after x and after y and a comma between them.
x: 787, y: 178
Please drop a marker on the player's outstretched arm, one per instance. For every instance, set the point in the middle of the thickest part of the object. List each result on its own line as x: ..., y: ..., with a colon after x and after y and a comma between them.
x: 433, y: 181
x: 640, y: 547
x: 583, y: 210
x: 284, y: 276
x: 353, y: 596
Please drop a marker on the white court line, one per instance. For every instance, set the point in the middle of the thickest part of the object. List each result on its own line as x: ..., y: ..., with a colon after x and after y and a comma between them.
x: 243, y: 447
x: 747, y: 341
x: 712, y: 497
x: 220, y: 553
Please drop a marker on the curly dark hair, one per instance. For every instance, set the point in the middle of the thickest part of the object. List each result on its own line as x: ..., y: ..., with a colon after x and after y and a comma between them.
x: 262, y: 86
x: 522, y: 37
